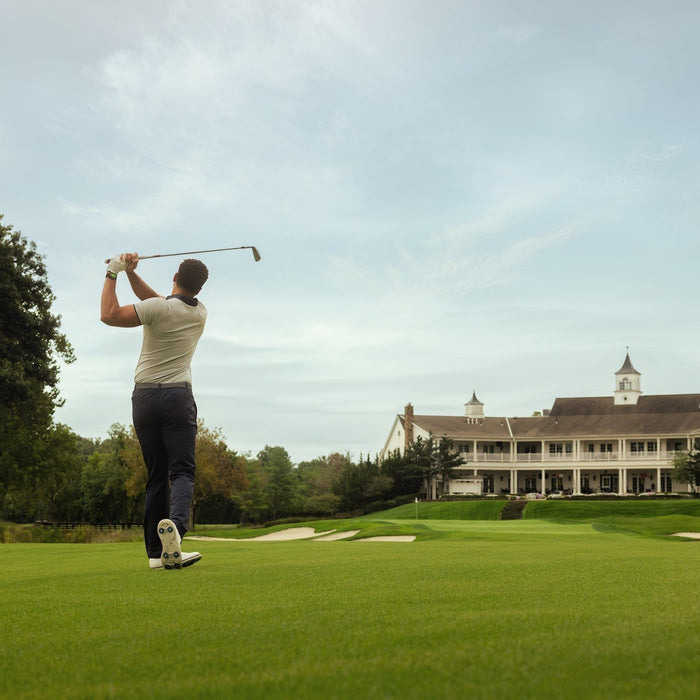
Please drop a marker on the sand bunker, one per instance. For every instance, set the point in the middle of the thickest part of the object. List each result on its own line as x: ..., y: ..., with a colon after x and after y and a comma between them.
x: 690, y: 535
x: 292, y: 533
x: 334, y: 536
x: 304, y: 533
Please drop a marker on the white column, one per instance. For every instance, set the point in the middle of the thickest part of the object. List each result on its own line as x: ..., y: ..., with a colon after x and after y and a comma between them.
x: 622, y: 486
x: 658, y: 479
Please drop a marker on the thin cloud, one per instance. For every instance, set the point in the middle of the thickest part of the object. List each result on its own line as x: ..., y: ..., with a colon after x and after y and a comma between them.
x: 418, y: 177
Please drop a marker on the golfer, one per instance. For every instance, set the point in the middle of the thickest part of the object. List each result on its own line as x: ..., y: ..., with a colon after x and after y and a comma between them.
x: 164, y: 410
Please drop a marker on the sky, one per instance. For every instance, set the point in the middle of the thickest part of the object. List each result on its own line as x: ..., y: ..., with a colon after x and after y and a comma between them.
x: 448, y: 196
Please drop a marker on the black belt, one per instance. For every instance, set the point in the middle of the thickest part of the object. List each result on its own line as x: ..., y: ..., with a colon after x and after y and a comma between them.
x: 162, y: 385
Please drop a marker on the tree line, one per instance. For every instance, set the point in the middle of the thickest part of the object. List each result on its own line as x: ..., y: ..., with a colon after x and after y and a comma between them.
x: 48, y: 472
x: 104, y: 481
x: 68, y: 478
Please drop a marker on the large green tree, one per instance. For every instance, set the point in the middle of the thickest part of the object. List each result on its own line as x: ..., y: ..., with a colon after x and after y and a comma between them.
x: 31, y: 346
x: 280, y: 480
x: 58, y: 488
x: 434, y: 459
x: 687, y: 466
x: 251, y: 499
x: 406, y: 473
x: 113, y: 479
x: 357, y: 485
x: 446, y: 460
x: 316, y: 478
x: 220, y: 471
x: 420, y: 455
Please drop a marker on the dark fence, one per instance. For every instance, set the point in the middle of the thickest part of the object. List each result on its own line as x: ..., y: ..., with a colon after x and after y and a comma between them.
x: 97, y: 526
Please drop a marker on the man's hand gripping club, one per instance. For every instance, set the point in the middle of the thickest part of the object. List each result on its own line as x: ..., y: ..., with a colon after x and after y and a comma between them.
x: 120, y: 263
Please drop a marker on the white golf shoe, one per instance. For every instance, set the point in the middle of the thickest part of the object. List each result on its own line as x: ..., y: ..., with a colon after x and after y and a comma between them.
x: 188, y: 558
x: 172, y: 557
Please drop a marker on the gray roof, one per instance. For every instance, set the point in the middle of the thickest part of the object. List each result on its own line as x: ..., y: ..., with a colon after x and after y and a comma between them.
x: 474, y: 400
x: 458, y: 427
x: 627, y: 367
x: 674, y: 414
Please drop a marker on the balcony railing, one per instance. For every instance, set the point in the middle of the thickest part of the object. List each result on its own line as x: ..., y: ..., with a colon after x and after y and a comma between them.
x: 614, y: 456
x: 600, y: 456
x: 527, y: 457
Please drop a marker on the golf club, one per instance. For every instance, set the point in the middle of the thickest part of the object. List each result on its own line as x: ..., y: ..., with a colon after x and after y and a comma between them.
x: 256, y: 255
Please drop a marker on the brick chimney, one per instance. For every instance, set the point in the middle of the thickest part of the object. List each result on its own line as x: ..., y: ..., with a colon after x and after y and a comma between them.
x: 408, y: 426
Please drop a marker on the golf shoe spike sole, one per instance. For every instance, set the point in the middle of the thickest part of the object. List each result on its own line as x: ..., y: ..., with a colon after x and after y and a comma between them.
x: 170, y: 539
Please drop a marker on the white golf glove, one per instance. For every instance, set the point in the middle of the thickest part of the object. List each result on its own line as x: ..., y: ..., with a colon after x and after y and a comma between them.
x: 117, y: 264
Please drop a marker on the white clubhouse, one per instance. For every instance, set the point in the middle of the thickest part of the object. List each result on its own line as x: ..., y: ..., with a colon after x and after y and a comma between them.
x: 624, y: 443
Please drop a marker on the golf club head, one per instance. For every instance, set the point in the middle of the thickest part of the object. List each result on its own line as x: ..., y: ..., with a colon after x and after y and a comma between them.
x: 256, y: 255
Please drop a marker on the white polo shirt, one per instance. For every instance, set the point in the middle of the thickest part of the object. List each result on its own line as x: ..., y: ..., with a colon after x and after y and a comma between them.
x: 172, y: 328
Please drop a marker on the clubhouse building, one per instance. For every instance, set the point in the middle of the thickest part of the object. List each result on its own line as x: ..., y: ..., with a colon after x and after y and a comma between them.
x: 624, y: 443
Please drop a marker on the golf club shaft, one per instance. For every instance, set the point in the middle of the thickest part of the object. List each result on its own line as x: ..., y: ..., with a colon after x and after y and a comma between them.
x: 256, y: 255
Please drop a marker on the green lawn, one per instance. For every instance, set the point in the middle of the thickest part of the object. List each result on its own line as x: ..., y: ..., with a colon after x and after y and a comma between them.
x: 449, y: 510
x: 616, y: 508
x: 472, y: 609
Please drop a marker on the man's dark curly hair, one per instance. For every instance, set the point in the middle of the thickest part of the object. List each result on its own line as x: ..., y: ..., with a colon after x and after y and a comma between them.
x: 191, y: 275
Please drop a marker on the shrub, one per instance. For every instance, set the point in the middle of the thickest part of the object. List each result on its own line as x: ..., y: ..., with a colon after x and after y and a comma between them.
x: 375, y: 506
x: 325, y: 504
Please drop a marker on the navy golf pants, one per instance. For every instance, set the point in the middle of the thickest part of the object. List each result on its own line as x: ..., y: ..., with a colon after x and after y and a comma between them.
x: 165, y: 421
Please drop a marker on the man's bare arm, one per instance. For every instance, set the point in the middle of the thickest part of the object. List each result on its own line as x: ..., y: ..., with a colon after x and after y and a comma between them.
x: 138, y: 286
x: 111, y: 312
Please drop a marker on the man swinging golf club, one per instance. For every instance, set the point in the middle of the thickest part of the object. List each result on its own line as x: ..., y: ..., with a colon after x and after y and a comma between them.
x: 164, y: 410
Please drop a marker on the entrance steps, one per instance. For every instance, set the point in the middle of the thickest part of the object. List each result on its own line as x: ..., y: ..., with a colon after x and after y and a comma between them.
x: 513, y: 510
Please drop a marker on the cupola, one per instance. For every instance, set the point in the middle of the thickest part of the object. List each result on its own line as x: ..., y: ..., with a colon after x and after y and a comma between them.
x: 627, y: 384
x: 474, y: 410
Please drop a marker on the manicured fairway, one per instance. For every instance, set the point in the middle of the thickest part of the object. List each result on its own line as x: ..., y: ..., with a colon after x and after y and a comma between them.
x: 493, y: 610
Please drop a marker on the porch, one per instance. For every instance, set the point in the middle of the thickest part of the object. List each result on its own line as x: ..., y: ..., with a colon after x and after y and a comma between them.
x: 579, y: 480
